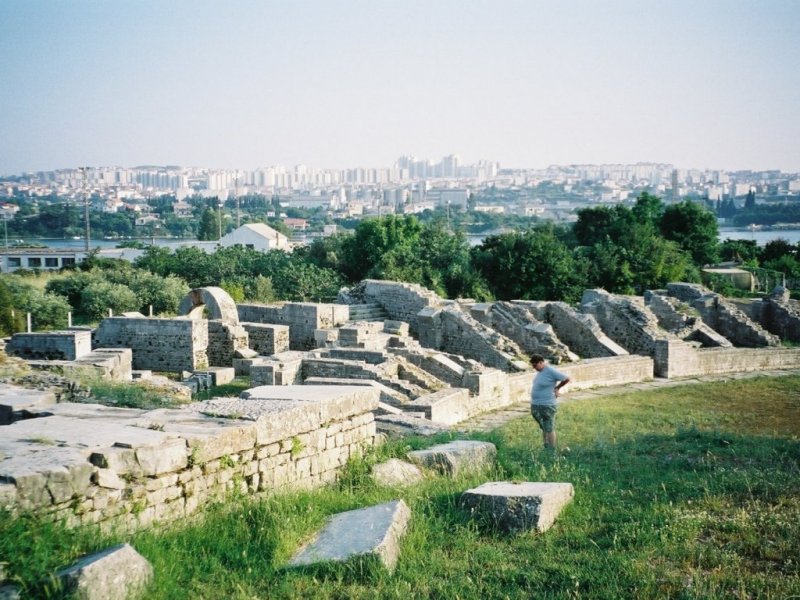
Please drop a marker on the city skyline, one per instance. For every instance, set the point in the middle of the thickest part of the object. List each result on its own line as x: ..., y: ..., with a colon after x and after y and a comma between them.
x: 350, y: 84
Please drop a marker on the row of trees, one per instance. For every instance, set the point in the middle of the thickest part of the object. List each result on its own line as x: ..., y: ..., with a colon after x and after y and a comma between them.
x: 621, y: 249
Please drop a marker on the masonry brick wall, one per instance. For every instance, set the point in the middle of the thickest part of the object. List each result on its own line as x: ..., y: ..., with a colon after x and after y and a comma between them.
x: 186, y: 464
x: 302, y: 318
x: 679, y: 359
x: 51, y: 345
x: 171, y: 345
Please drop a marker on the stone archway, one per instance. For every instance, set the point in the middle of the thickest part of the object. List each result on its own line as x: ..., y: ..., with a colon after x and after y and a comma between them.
x: 218, y: 302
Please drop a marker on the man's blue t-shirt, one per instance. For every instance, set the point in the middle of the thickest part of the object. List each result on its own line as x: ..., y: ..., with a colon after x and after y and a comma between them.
x: 544, y: 385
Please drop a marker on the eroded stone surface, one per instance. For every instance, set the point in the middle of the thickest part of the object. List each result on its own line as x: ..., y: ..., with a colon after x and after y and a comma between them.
x: 375, y: 531
x: 396, y: 472
x: 118, y: 573
x: 456, y: 458
x: 516, y: 507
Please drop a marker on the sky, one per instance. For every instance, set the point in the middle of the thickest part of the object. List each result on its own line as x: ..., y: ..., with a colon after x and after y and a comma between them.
x: 343, y: 83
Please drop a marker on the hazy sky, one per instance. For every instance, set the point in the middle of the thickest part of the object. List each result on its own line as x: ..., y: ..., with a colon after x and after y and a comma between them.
x: 329, y: 83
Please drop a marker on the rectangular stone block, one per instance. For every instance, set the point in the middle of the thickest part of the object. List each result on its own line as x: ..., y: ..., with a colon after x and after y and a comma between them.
x: 518, y: 506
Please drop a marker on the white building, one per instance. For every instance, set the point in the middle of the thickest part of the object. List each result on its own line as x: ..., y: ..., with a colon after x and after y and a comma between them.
x: 257, y: 236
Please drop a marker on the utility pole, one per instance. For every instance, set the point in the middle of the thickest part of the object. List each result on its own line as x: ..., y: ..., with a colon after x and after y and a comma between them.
x: 219, y: 219
x: 5, y: 228
x: 85, y: 203
x: 236, y: 191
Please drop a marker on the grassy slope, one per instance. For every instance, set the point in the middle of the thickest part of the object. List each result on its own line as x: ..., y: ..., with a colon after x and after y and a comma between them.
x: 689, y: 492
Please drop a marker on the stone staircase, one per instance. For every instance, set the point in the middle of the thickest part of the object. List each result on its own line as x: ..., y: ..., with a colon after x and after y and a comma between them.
x: 368, y: 312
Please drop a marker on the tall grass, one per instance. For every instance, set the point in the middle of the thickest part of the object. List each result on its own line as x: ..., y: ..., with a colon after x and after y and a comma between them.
x: 689, y: 492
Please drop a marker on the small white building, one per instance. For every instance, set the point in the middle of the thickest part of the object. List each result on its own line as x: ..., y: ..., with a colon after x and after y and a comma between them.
x: 257, y: 236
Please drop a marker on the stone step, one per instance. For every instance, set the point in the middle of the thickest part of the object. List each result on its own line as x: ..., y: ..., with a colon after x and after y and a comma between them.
x: 367, y: 312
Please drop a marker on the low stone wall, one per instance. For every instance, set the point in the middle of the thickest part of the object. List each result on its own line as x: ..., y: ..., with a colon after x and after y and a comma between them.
x: 110, y: 363
x: 302, y: 318
x: 604, y: 372
x: 51, y: 345
x: 124, y: 467
x: 679, y: 359
x: 172, y: 345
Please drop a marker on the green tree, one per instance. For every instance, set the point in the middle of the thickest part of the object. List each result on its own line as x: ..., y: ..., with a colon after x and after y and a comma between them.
x: 48, y: 310
x: 11, y: 318
x: 534, y: 265
x: 209, y: 228
x: 743, y: 251
x: 693, y: 228
x: 595, y: 225
x: 100, y: 296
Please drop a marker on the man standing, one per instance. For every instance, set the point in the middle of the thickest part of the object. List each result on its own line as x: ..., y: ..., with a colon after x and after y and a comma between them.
x: 544, y: 398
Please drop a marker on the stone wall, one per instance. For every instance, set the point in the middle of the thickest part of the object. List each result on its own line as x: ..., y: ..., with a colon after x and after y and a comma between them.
x: 723, y: 316
x: 684, y: 321
x: 603, y: 372
x: 130, y: 468
x: 267, y: 339
x: 171, y: 345
x: 680, y: 359
x: 51, y: 345
x: 517, y: 322
x: 783, y: 319
x: 453, y: 331
x: 580, y: 332
x: 402, y: 301
x: 224, y: 339
x: 108, y: 363
x: 625, y: 319
x: 302, y: 318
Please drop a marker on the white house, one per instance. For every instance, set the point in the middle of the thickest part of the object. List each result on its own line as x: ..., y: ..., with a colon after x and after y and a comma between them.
x: 257, y: 236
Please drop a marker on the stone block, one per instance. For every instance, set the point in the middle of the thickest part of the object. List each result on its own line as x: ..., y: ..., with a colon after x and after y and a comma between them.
x: 219, y: 375
x: 371, y: 533
x: 396, y: 328
x: 396, y: 473
x: 17, y: 402
x: 517, y: 507
x: 167, y: 457
x: 116, y: 573
x: 456, y: 458
x: 447, y: 406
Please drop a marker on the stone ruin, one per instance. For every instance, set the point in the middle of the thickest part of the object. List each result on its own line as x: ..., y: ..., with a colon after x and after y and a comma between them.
x: 327, y: 379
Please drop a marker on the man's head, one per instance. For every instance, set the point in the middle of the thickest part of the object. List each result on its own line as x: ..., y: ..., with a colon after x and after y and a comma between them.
x: 537, y: 361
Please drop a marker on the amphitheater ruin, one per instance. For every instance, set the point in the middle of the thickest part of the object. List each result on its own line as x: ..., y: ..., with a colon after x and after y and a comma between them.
x: 329, y: 380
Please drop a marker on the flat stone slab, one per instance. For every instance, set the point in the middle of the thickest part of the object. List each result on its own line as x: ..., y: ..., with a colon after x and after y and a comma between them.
x: 455, y: 458
x: 367, y: 532
x: 19, y: 402
x: 117, y: 573
x: 406, y: 424
x: 396, y: 472
x: 516, y: 507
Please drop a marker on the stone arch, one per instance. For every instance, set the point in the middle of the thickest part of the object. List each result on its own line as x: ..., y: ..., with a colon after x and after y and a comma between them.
x: 218, y: 302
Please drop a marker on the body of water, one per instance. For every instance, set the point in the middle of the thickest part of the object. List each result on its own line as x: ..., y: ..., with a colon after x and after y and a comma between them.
x: 760, y: 236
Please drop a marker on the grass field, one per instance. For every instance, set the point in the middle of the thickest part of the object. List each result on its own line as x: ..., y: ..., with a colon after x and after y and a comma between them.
x: 685, y: 492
